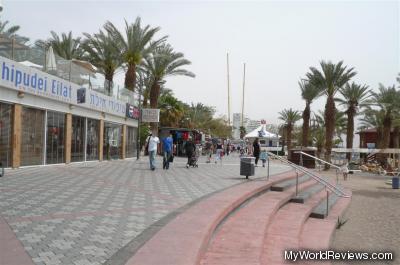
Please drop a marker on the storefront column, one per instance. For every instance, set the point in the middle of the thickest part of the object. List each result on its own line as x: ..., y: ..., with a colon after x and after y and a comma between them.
x: 101, y: 139
x: 16, y: 135
x: 123, y: 136
x: 68, y: 134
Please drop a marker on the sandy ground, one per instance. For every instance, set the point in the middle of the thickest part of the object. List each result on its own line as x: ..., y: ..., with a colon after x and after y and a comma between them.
x: 373, y: 218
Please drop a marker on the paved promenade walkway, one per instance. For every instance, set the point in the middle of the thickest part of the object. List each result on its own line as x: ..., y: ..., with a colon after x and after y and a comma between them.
x: 83, y: 213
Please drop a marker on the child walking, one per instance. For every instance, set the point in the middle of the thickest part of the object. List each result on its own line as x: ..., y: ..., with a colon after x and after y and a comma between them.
x: 345, y: 170
x: 263, y: 157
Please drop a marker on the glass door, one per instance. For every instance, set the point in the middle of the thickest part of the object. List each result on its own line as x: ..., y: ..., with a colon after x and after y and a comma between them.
x: 92, y: 144
x: 55, y: 137
x: 131, y: 133
x: 32, y: 136
x: 78, y: 139
x: 112, y: 141
x: 5, y: 134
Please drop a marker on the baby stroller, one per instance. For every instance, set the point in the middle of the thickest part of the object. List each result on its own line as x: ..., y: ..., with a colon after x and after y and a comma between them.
x: 193, y: 159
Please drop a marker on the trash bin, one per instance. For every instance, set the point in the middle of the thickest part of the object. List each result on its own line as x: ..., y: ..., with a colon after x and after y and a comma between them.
x: 247, y: 166
x: 395, y: 182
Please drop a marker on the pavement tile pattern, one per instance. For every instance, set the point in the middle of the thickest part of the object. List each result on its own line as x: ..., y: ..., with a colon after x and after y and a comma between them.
x: 85, y: 212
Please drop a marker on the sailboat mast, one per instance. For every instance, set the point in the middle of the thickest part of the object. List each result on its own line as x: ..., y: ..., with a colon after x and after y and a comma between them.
x: 229, y: 92
x: 244, y: 82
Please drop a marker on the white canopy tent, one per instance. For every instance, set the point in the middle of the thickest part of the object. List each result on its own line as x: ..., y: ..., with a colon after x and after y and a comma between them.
x: 267, y: 139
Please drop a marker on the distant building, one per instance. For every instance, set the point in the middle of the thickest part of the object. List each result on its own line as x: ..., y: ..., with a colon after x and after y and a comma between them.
x: 237, y: 118
x: 251, y: 125
x: 369, y: 138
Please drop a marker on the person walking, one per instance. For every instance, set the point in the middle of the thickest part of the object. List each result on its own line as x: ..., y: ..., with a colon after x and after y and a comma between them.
x: 167, y: 150
x: 219, y: 151
x: 208, y: 148
x: 152, y: 148
x: 263, y: 157
x: 190, y: 148
x: 345, y: 170
x: 256, y: 150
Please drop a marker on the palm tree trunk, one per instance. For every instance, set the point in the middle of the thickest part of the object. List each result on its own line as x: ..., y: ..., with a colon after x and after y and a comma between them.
x: 385, y: 142
x: 349, y: 131
x: 145, y: 99
x: 387, y: 125
x: 109, y: 82
x: 306, y: 125
x: 130, y: 77
x: 396, y: 143
x: 289, y: 139
x: 154, y: 94
x: 330, y: 112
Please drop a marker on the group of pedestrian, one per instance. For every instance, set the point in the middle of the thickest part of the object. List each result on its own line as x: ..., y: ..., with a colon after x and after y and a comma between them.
x: 167, y: 150
x: 258, y: 153
x: 167, y: 145
x: 190, y: 149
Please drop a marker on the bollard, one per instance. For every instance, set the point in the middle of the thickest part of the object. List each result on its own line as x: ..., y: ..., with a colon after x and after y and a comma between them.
x: 1, y: 169
x: 297, y: 182
x: 268, y: 168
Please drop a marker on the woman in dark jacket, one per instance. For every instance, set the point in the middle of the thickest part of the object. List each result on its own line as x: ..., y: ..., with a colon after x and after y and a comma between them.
x: 256, y: 150
x: 190, y: 148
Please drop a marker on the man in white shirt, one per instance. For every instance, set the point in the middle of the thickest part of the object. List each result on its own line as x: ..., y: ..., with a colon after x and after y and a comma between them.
x: 152, y: 148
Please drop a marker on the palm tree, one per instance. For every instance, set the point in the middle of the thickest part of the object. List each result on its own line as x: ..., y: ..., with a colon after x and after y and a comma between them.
x: 8, y: 32
x: 308, y: 93
x: 355, y: 97
x: 135, y: 45
x: 65, y: 46
x: 330, y: 80
x: 396, y: 130
x: 162, y: 63
x: 387, y: 100
x: 289, y: 117
x: 339, y: 127
x: 171, y: 110
x: 11, y: 32
x: 103, y: 54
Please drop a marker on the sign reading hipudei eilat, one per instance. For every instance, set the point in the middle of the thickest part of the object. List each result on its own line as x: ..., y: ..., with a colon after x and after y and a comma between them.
x: 16, y: 76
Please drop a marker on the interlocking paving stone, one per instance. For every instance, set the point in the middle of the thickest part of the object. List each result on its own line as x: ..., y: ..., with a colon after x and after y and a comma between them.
x: 83, y: 213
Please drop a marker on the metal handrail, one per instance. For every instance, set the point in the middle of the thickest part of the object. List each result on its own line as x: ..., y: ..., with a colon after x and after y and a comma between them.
x: 318, y: 159
x: 327, y: 184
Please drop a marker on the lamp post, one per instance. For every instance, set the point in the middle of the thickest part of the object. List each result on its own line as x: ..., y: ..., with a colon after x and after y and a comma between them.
x: 138, y: 145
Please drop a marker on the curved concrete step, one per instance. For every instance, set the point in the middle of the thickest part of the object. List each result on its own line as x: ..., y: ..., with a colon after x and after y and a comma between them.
x: 318, y: 234
x: 184, y: 239
x: 322, y: 210
x: 305, y: 194
x: 285, y: 229
x: 281, y: 186
x: 239, y: 240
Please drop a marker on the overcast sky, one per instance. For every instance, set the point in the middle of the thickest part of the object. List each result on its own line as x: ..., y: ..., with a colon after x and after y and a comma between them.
x: 277, y: 40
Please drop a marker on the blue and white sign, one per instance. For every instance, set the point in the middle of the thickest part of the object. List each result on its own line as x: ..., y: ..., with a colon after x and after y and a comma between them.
x: 16, y: 76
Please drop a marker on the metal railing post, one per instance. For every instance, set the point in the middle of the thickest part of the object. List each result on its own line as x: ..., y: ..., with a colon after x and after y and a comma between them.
x: 297, y: 182
x: 268, y: 168
x: 327, y: 202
